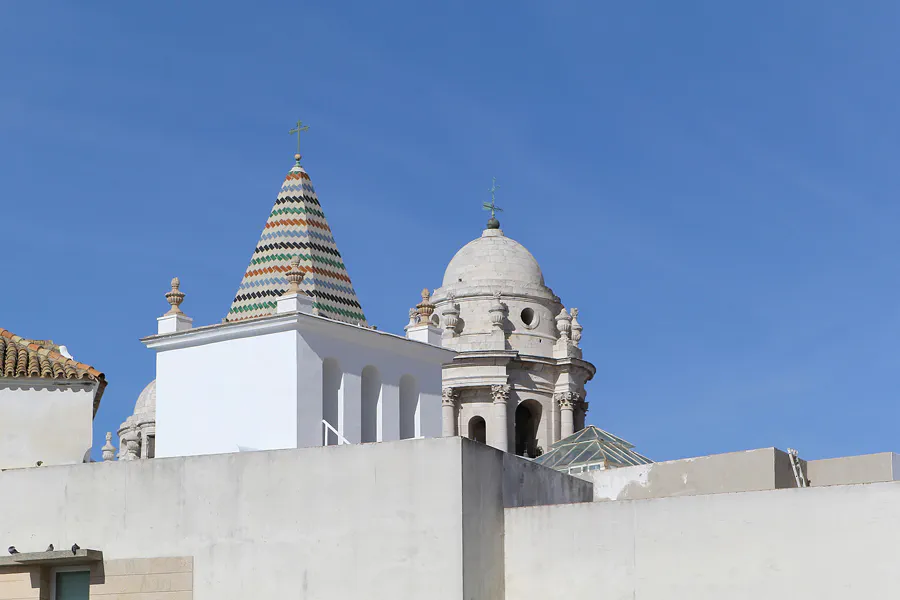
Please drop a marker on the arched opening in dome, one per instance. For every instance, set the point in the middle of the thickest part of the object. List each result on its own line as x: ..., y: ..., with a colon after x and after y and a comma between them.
x: 477, y: 430
x: 528, y: 417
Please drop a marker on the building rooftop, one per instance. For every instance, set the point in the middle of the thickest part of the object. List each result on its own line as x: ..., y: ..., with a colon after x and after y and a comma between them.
x: 21, y: 358
x: 589, y: 449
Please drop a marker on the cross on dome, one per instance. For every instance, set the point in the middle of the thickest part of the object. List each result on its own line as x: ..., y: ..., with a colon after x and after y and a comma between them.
x: 493, y: 223
x: 298, y: 130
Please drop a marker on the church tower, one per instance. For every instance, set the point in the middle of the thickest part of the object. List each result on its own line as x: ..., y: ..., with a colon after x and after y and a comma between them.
x: 297, y: 227
x: 517, y: 380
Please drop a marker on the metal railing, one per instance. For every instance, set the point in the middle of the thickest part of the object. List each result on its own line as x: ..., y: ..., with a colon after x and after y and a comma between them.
x: 326, y: 428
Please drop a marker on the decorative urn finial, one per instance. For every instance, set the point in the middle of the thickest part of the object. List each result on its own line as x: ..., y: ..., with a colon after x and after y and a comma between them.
x: 175, y: 297
x: 132, y: 445
x: 576, y: 327
x: 108, y: 451
x: 425, y: 308
x: 563, y: 324
x: 294, y: 276
x: 496, y: 311
x: 450, y: 316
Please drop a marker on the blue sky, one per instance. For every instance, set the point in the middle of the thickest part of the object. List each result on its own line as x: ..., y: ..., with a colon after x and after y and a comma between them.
x: 714, y: 186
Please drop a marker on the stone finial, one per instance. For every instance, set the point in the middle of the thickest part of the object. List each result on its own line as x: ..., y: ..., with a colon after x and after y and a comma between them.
x: 576, y: 327
x: 563, y: 324
x: 413, y: 317
x: 108, y: 451
x: 132, y: 446
x: 496, y: 311
x: 425, y: 308
x: 175, y: 297
x: 450, y: 316
x: 294, y: 276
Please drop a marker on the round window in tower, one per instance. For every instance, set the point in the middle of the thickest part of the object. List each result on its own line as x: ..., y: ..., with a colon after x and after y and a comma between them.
x: 529, y: 319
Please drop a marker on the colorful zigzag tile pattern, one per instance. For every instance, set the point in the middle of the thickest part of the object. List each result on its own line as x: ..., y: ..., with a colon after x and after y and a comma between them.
x: 297, y: 226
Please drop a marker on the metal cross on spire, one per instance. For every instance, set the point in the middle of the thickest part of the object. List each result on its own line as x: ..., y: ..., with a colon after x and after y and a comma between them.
x: 493, y: 223
x: 298, y: 129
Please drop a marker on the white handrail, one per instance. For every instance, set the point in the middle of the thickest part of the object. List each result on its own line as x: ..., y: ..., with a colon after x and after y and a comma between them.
x: 341, y: 439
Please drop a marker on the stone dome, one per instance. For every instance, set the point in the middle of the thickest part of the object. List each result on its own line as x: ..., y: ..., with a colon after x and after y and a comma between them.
x: 146, y: 402
x: 493, y: 257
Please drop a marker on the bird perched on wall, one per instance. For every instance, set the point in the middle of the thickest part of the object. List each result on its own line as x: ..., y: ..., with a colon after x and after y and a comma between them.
x: 12, y: 550
x: 49, y: 548
x: 75, y: 548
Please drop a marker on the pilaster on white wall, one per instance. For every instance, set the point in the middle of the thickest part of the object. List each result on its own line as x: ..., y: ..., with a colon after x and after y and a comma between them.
x: 426, y: 333
x: 172, y: 323
x: 390, y: 412
x: 291, y: 303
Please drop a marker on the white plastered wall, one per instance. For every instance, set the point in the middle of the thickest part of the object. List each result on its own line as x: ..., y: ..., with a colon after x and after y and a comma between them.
x: 260, y: 386
x: 48, y: 423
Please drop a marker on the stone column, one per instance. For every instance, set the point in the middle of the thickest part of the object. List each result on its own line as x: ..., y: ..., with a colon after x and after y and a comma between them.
x: 566, y: 401
x: 449, y: 412
x: 500, y: 426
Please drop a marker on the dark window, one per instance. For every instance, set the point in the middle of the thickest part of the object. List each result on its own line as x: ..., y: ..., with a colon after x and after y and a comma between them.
x: 73, y: 585
x: 478, y: 430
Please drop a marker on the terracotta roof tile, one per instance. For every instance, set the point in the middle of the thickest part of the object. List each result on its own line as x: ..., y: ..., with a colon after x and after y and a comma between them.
x: 21, y: 358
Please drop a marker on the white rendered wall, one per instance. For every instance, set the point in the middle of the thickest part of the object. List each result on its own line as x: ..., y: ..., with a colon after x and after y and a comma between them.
x: 239, y: 392
x: 260, y: 385
x: 51, y: 424
x: 375, y: 521
x: 794, y: 544
x: 391, y: 365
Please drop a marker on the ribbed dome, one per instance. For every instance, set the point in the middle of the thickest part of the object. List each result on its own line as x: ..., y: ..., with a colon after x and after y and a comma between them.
x: 146, y: 402
x: 493, y: 257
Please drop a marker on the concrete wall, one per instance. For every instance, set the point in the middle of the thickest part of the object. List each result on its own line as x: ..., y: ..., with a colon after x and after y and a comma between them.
x: 258, y: 385
x: 48, y: 423
x: 815, y: 543
x: 373, y: 521
x: 753, y: 470
x: 867, y: 468
x: 494, y: 480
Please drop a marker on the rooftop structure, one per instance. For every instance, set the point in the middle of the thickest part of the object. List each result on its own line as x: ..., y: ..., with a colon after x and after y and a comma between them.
x: 591, y: 449
x: 47, y: 403
x: 297, y: 227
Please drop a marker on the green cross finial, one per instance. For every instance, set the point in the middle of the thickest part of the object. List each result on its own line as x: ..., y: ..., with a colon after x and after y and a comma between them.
x: 493, y: 223
x: 299, y: 128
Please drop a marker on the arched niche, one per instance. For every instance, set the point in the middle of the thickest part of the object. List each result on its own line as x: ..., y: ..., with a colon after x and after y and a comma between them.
x: 477, y: 429
x: 528, y: 419
x: 370, y: 405
x: 332, y: 381
x: 410, y: 416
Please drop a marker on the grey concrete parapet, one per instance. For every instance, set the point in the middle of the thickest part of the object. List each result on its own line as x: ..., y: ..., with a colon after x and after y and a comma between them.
x: 56, y: 558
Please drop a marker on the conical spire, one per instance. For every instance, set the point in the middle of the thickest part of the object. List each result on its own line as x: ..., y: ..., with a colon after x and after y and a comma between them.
x: 297, y: 228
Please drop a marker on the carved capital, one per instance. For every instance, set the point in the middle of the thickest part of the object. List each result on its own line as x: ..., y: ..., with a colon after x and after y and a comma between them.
x: 567, y: 400
x: 500, y: 393
x: 449, y: 396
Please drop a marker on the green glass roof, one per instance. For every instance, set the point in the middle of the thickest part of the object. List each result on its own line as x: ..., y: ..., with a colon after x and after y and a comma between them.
x: 591, y: 446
